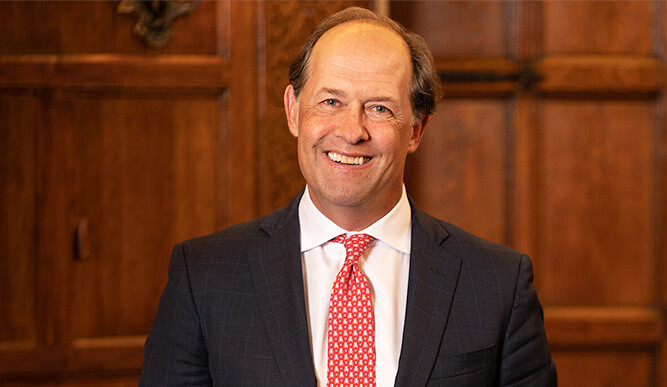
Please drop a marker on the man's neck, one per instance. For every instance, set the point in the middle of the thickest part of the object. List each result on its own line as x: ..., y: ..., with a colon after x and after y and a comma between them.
x: 357, y: 218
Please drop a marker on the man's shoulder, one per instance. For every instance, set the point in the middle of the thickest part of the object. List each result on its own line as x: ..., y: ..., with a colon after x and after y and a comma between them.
x: 232, y: 234
x: 244, y: 235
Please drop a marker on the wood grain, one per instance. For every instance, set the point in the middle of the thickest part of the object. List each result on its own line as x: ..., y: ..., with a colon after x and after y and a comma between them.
x: 110, y: 70
x: 92, y: 27
x: 458, y: 29
x: 145, y: 178
x: 575, y: 327
x: 592, y: 27
x: 595, y: 188
x: 459, y: 173
x: 242, y: 157
x: 19, y: 122
x: 600, y: 75
x: 617, y: 368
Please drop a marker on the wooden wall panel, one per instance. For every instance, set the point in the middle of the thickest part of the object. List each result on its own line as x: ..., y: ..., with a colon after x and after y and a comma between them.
x: 84, y: 27
x: 242, y: 158
x: 594, y: 27
x: 78, y: 382
x: 604, y: 367
x: 584, y: 165
x: 586, y: 327
x: 457, y: 28
x: 596, y: 182
x: 459, y: 172
x: 19, y: 127
x: 145, y: 178
x: 134, y: 140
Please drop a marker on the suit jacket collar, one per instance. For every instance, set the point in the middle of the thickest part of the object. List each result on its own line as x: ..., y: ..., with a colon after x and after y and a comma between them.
x: 277, y: 273
x: 432, y: 280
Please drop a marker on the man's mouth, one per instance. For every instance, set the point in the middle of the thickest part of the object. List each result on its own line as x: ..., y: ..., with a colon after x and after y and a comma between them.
x: 351, y: 160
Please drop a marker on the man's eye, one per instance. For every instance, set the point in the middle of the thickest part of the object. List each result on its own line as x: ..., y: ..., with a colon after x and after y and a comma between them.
x: 330, y: 102
x: 380, y: 109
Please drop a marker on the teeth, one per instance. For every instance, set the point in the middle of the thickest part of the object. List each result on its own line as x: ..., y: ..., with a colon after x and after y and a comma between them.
x: 347, y: 159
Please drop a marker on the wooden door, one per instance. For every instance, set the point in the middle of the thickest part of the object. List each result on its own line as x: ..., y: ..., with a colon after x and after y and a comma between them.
x: 112, y: 152
x: 551, y: 139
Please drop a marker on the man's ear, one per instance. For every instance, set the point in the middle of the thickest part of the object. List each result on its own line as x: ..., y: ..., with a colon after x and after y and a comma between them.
x: 291, y: 110
x: 417, y: 133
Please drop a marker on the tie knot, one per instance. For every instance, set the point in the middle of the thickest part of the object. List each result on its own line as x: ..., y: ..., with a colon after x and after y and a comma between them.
x: 355, y: 244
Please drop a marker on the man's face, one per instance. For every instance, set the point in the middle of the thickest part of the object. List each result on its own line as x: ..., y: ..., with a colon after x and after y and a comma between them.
x: 353, y: 119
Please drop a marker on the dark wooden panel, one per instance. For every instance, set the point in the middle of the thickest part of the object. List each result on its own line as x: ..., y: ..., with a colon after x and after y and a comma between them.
x: 596, y: 326
x: 484, y: 68
x: 523, y: 194
x: 571, y: 75
x: 102, y: 70
x: 599, y: 27
x: 99, y: 381
x: 457, y: 28
x: 600, y: 74
x: 243, y: 157
x: 459, y: 172
x: 78, y: 27
x: 19, y: 126
x: 607, y: 368
x: 661, y: 364
x: 596, y: 205
x: 145, y: 176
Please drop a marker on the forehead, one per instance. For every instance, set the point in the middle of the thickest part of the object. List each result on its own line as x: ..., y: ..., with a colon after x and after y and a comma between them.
x: 363, y: 31
x: 363, y: 49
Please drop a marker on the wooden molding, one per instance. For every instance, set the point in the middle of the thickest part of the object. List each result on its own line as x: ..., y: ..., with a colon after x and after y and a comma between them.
x: 599, y: 74
x: 109, y: 70
x: 498, y: 66
x: 595, y: 326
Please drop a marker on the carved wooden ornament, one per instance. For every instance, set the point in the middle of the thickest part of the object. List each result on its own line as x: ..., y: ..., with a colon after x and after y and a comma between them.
x: 155, y: 18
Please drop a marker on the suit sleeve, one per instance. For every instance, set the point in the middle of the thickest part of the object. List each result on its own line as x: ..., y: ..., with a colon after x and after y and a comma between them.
x: 175, y: 353
x: 526, y: 358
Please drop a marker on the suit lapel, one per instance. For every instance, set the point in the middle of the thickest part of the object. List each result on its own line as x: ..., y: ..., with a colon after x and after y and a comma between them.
x: 432, y: 281
x: 277, y: 275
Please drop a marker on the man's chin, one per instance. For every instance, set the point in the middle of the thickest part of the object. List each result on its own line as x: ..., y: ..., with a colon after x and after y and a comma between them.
x: 344, y: 198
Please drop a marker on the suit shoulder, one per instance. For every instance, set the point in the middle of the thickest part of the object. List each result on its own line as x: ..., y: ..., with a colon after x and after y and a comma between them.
x: 237, y: 237
x: 242, y: 231
x: 243, y: 236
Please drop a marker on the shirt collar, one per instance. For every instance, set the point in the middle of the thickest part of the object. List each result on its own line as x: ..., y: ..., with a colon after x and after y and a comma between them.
x: 394, y: 228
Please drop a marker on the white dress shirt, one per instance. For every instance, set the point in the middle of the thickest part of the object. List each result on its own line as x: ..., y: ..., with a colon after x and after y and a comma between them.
x: 385, y: 263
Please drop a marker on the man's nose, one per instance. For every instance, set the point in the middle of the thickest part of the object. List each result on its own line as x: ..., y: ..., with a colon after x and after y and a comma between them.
x: 353, y: 127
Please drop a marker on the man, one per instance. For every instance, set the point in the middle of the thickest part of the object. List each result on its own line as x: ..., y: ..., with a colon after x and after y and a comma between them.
x: 351, y: 280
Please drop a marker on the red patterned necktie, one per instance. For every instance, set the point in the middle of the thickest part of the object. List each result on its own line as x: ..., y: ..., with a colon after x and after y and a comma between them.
x: 351, y: 333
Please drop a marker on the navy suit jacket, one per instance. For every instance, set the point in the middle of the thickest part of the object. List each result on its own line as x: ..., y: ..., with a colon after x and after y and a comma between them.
x: 233, y: 312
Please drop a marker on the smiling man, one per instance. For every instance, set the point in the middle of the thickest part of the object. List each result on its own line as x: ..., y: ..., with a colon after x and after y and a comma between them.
x: 351, y: 284
x: 354, y: 122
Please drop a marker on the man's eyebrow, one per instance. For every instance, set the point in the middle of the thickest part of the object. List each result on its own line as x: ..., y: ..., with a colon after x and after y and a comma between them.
x: 383, y: 99
x: 329, y: 91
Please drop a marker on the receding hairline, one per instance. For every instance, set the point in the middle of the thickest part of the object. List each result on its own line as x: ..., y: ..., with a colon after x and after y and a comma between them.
x: 369, y: 22
x: 349, y: 23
